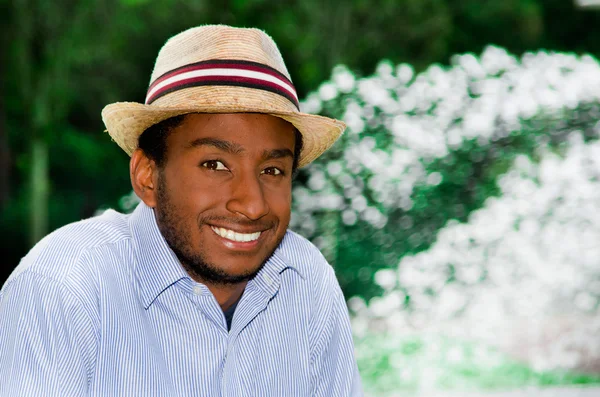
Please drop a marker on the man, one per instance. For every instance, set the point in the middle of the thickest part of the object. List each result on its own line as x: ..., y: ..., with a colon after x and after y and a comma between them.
x: 202, y: 290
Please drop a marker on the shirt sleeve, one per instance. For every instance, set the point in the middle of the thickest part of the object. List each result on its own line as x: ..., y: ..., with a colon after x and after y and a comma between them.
x: 47, y: 340
x: 335, y: 372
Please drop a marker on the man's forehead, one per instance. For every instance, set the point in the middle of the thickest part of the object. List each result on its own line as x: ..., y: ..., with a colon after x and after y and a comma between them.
x: 235, y: 148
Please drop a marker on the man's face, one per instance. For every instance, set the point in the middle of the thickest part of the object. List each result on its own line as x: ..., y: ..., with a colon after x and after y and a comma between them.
x: 224, y: 193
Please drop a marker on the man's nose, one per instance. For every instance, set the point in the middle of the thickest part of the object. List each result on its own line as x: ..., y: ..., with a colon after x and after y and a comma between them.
x: 248, y: 197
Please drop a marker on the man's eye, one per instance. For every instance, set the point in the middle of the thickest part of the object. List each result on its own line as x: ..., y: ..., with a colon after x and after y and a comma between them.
x: 214, y: 165
x: 272, y: 171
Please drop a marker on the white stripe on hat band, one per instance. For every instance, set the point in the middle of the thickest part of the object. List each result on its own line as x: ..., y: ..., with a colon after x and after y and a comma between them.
x: 223, y: 72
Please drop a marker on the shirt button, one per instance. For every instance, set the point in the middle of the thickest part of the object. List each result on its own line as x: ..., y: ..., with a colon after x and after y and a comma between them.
x: 198, y: 290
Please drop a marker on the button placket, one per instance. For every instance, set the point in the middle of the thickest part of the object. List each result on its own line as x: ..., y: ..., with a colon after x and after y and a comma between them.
x: 208, y: 305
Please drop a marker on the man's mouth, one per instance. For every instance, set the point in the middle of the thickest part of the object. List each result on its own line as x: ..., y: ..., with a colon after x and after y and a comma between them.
x: 235, y: 236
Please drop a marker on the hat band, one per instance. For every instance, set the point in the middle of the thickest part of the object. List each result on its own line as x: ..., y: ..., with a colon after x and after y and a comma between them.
x: 222, y: 72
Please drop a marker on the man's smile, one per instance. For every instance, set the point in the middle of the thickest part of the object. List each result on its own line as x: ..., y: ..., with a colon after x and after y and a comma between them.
x: 235, y: 236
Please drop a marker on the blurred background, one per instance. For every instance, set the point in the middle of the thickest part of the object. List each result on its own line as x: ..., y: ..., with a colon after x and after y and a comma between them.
x: 461, y: 209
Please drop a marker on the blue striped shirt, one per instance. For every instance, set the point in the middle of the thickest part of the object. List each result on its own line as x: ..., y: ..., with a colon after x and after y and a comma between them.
x: 102, y: 307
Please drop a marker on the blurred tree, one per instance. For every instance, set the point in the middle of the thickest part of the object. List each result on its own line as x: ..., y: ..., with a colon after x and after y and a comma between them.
x: 46, y: 48
x: 5, y: 158
x: 517, y: 25
x: 5, y: 152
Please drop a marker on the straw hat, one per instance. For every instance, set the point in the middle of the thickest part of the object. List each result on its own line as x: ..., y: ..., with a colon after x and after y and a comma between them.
x: 220, y: 69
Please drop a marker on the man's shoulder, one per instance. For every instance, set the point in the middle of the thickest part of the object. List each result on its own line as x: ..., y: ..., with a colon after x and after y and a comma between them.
x: 57, y: 254
x: 304, y: 256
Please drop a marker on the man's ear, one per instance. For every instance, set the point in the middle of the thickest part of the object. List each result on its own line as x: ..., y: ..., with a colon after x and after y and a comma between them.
x: 143, y: 172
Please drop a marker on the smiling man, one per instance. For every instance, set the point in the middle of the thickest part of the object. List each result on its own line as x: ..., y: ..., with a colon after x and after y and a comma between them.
x: 202, y: 290
x: 223, y: 193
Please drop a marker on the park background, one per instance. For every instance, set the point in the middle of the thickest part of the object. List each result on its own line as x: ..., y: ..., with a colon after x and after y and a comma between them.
x: 461, y: 209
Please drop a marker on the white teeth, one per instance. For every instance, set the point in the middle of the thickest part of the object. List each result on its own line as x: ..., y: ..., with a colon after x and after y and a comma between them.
x: 235, y: 236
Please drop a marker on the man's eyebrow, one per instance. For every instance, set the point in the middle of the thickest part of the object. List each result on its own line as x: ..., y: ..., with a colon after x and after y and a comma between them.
x: 277, y: 154
x: 226, y: 146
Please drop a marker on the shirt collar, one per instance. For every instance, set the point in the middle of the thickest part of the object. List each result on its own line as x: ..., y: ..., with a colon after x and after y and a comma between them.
x: 157, y: 267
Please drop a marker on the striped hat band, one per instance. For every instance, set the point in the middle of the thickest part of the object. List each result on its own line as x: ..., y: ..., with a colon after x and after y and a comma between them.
x: 223, y: 72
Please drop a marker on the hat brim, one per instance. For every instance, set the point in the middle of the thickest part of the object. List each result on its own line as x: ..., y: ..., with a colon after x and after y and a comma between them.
x: 126, y: 121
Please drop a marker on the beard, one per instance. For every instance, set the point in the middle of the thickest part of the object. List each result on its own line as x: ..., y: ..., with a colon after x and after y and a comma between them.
x: 173, y: 229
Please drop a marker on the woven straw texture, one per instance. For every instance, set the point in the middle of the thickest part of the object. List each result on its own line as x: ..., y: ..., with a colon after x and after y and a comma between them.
x: 125, y: 121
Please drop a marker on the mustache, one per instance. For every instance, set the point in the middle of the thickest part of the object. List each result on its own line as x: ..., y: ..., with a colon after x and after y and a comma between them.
x: 245, y: 222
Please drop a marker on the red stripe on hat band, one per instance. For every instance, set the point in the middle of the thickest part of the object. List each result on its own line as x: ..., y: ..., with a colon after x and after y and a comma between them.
x: 236, y: 81
x: 223, y: 72
x: 222, y: 64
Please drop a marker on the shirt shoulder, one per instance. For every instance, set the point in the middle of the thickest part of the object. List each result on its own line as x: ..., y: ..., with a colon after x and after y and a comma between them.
x: 60, y: 252
x: 304, y: 256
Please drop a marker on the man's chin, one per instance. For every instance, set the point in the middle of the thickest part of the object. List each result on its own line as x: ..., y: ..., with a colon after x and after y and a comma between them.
x: 219, y: 267
x: 209, y: 274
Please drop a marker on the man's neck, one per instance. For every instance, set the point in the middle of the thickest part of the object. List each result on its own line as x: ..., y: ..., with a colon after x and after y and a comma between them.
x: 226, y: 295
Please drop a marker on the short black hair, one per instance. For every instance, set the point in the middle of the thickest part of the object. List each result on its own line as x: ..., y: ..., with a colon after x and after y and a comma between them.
x: 153, y: 141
